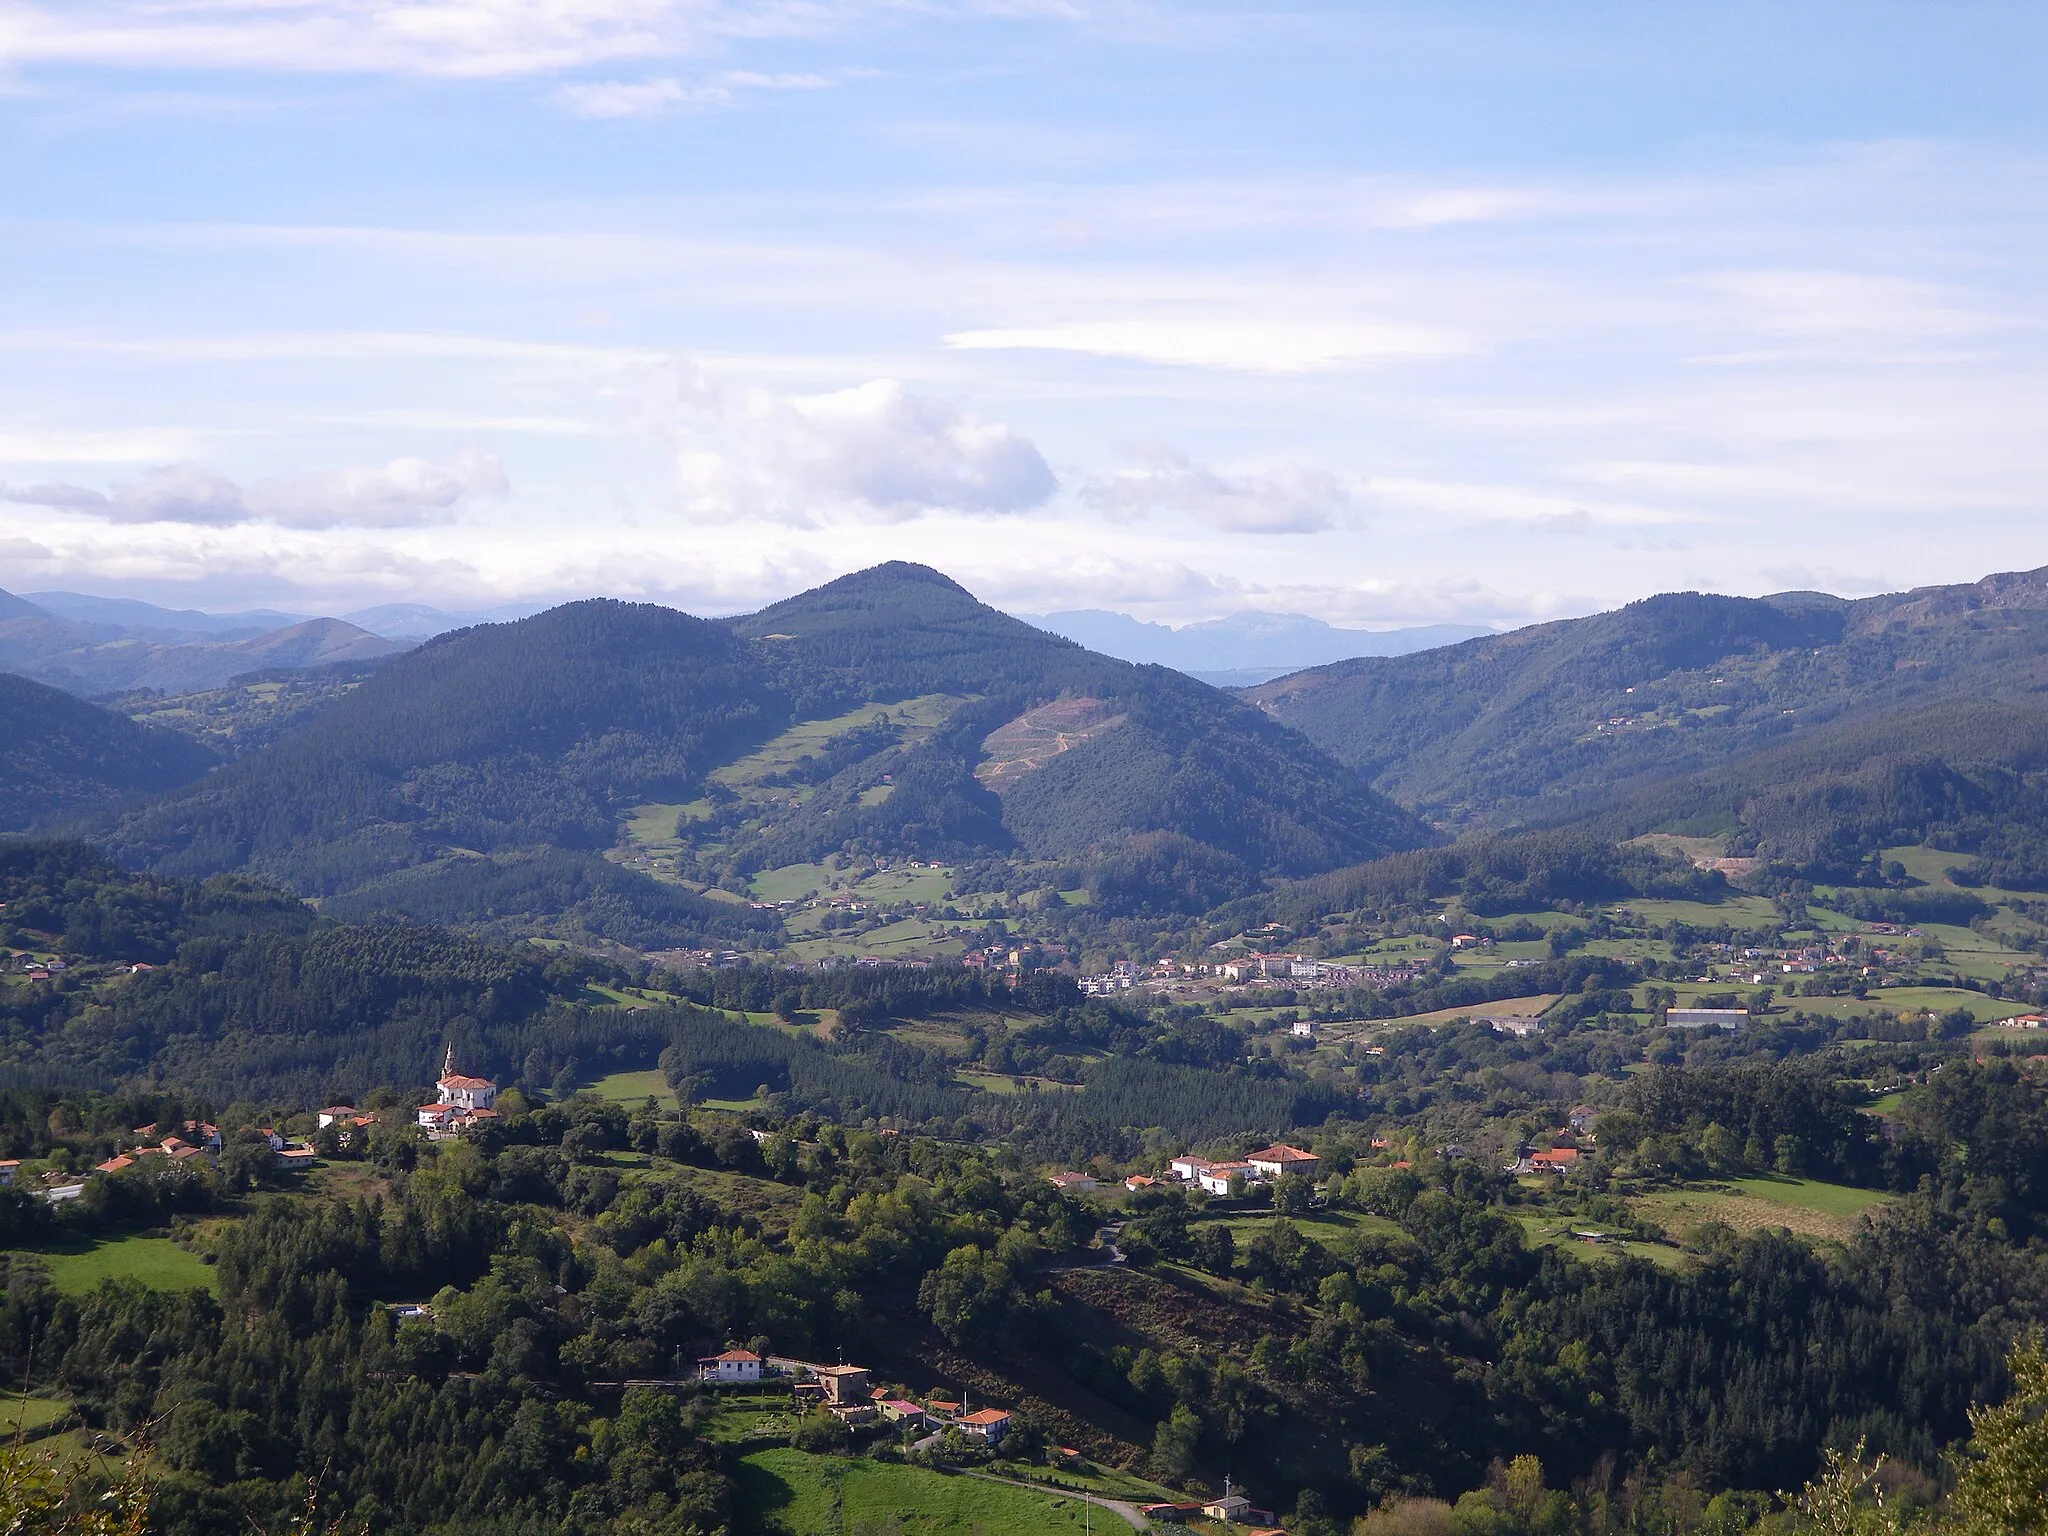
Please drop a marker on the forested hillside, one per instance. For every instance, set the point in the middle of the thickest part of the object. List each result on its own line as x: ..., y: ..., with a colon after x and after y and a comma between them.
x: 62, y: 757
x: 1546, y: 720
x: 478, y: 777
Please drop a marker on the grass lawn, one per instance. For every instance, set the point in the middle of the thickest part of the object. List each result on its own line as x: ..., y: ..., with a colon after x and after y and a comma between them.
x: 1735, y: 912
x: 1320, y: 1224
x: 893, y: 886
x: 26, y: 1415
x: 1506, y: 1006
x: 792, y: 882
x: 1887, y: 1104
x: 1807, y: 1206
x: 1544, y: 1231
x: 635, y: 1088
x: 1811, y: 1194
x: 156, y: 1262
x: 1986, y: 1010
x: 790, y: 1491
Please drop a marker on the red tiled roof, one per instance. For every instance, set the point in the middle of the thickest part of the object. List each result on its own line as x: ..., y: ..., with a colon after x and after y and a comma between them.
x: 987, y: 1416
x: 466, y: 1082
x: 1282, y: 1154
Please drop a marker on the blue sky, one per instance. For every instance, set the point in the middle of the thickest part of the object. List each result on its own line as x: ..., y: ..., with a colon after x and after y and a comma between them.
x: 1386, y: 314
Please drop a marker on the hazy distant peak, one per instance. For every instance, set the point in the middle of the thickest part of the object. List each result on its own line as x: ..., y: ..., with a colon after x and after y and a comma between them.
x: 1244, y: 647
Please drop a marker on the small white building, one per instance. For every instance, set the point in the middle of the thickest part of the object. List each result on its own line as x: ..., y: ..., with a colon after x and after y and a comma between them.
x: 1217, y: 1176
x: 1189, y: 1169
x: 1231, y: 1509
x: 334, y: 1112
x: 1073, y: 1183
x: 1303, y: 1029
x: 733, y: 1365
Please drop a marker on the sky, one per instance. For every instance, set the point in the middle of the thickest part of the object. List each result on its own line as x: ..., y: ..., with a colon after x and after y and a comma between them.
x: 1387, y: 314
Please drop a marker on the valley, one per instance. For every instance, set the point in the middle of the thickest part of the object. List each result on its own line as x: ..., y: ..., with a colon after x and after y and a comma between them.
x: 876, y: 980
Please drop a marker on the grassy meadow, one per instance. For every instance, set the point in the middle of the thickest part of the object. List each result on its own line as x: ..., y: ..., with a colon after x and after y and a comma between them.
x: 793, y: 1493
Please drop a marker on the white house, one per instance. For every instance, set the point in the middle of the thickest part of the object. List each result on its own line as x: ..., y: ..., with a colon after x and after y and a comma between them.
x: 1278, y: 1161
x: 733, y: 1365
x: 1073, y: 1183
x: 1217, y: 1176
x: 1232, y: 1509
x: 989, y: 1424
x: 334, y: 1112
x: 1520, y: 1025
x: 1189, y: 1169
x: 1304, y: 1029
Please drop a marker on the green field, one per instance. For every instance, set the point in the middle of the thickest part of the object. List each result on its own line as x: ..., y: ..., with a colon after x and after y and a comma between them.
x: 1735, y: 912
x: 792, y: 882
x: 1506, y: 1006
x: 791, y: 1493
x: 27, y: 1415
x: 636, y: 1088
x: 1806, y: 1206
x: 1811, y: 1195
x: 1324, y: 1225
x: 155, y: 1262
x: 1986, y: 1010
x: 918, y: 716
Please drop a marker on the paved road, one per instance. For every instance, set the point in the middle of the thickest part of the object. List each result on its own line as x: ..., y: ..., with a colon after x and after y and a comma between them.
x: 1128, y: 1512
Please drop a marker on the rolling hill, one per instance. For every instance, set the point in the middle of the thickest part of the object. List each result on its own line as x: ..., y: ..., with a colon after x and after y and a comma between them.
x: 494, y: 766
x: 99, y: 656
x: 62, y: 757
x: 1552, y: 722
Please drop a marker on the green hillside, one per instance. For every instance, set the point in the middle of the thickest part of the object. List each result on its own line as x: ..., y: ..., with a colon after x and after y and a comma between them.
x: 480, y: 777
x: 1546, y: 721
x: 61, y: 757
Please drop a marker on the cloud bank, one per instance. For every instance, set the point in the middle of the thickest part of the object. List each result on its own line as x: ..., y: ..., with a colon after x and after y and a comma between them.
x: 404, y: 493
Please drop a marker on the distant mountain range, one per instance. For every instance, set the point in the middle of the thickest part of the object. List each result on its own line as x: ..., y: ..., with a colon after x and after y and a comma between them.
x: 1569, y: 720
x: 392, y: 621
x: 486, y: 775
x: 886, y: 711
x: 1245, y: 648
x: 95, y: 658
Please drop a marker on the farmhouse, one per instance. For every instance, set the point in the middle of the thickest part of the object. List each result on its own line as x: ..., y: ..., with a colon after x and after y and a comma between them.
x: 845, y: 1385
x: 1280, y: 1160
x: 989, y: 1424
x: 1189, y: 1169
x: 732, y: 1365
x: 1303, y: 1029
x: 1217, y: 1176
x: 1520, y: 1025
x: 1558, y: 1160
x: 1073, y: 1183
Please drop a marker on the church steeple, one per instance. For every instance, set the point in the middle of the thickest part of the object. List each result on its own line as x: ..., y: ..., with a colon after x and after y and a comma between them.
x: 448, y: 1061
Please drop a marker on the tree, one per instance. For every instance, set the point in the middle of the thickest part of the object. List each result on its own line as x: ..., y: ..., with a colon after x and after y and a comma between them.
x: 2002, y: 1480
x: 1177, y: 1442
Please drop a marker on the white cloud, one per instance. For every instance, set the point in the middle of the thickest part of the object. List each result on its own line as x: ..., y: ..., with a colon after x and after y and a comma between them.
x: 877, y: 452
x: 1816, y: 305
x: 654, y: 97
x: 1259, y: 346
x: 423, y: 37
x: 404, y: 493
x: 1289, y: 500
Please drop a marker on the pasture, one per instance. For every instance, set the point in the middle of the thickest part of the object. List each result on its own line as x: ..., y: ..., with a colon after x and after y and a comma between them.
x: 154, y: 1262
x: 793, y: 1493
x: 1809, y: 1207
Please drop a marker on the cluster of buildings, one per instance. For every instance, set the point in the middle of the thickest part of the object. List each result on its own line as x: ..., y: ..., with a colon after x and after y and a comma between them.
x: 849, y: 1394
x: 460, y: 1103
x: 1298, y: 971
x: 1265, y: 1166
